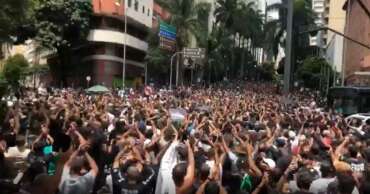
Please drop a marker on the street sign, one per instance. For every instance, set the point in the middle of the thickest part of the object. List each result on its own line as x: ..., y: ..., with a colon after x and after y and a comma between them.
x: 167, y: 44
x: 194, y: 53
x: 167, y: 27
x: 167, y: 35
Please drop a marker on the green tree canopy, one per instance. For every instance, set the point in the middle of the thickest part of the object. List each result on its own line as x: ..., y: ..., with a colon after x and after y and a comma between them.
x: 14, y: 68
x: 62, y: 23
x: 184, y: 18
x: 311, y: 72
x: 13, y: 13
x: 303, y: 16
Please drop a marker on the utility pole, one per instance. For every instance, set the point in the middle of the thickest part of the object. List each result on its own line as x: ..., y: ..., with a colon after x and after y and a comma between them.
x: 125, y: 8
x: 177, y: 68
x: 288, y: 47
x: 124, y: 47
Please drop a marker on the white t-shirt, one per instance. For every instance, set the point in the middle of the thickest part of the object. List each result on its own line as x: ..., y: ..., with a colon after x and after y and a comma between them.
x: 14, y: 152
x: 320, y: 185
x: 76, y: 185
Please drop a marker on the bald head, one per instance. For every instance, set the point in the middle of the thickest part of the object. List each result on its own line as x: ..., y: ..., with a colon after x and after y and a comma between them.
x: 133, y: 173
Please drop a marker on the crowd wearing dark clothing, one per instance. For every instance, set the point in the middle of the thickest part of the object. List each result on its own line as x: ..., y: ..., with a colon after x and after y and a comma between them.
x: 243, y: 138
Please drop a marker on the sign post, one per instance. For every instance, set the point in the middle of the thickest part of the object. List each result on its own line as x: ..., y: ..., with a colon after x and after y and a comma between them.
x: 88, y: 79
x: 194, y: 53
x: 167, y: 36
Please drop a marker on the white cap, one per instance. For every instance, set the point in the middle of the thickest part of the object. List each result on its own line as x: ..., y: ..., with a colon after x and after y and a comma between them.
x: 291, y: 134
x: 10, y: 103
x: 271, y: 163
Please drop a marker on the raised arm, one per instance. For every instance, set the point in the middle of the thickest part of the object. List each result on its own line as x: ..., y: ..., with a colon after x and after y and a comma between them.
x: 17, y: 125
x: 117, y: 159
x: 339, y: 149
x: 202, y: 187
x: 190, y: 171
x: 73, y: 155
x: 92, y: 164
x: 251, y: 162
x: 263, y: 182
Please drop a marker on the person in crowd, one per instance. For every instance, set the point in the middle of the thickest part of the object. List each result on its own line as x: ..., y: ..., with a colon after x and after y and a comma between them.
x: 76, y: 178
x: 320, y: 185
x: 236, y: 138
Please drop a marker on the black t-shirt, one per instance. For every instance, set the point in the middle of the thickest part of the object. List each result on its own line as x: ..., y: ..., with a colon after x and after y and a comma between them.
x: 10, y: 139
x: 145, y: 186
x: 62, y: 141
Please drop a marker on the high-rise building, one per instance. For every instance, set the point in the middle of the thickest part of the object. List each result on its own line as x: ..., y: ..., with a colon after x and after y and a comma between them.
x: 103, y: 56
x: 318, y: 7
x: 334, y: 18
x: 357, y: 57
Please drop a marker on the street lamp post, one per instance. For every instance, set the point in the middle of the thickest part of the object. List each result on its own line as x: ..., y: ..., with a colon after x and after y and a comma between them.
x: 177, y: 68
x: 124, y: 43
x: 124, y: 48
x: 288, y: 49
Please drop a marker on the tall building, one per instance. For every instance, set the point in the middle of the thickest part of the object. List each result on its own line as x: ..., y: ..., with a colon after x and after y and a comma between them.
x: 334, y: 17
x: 103, y: 57
x: 357, y: 57
x: 318, y: 7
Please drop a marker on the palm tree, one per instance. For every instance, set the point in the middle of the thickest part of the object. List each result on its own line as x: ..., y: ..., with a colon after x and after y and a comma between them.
x: 184, y: 18
x: 275, y: 30
x: 249, y: 26
x: 243, y: 23
x: 218, y: 47
x: 226, y: 13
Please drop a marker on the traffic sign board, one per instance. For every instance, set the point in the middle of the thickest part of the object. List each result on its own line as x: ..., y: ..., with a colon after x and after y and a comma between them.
x: 195, y: 53
x: 195, y: 56
x: 167, y: 35
x: 167, y: 27
x: 167, y: 43
x: 168, y: 32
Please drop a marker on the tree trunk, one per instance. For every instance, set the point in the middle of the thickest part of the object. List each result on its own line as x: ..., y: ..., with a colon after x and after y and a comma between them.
x: 252, y: 51
x: 64, y: 64
x: 242, y: 60
x: 232, y: 56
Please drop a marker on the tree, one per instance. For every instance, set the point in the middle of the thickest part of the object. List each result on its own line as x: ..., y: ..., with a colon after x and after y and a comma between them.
x: 274, y: 30
x: 267, y: 72
x: 3, y: 85
x: 157, y: 58
x: 243, y: 24
x: 13, y: 70
x: 311, y: 73
x: 218, y: 46
x: 184, y: 18
x: 249, y: 26
x: 62, y: 25
x: 13, y: 13
x: 202, y: 31
x: 226, y: 13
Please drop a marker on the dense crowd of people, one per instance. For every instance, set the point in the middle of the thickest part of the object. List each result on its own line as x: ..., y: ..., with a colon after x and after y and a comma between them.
x: 244, y: 138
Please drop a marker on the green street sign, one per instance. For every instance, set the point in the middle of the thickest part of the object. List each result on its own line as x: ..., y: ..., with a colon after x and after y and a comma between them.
x: 166, y: 27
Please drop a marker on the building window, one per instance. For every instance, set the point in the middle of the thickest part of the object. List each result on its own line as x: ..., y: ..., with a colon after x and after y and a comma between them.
x: 136, y: 5
x: 143, y: 9
x: 129, y: 3
x: 148, y: 12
